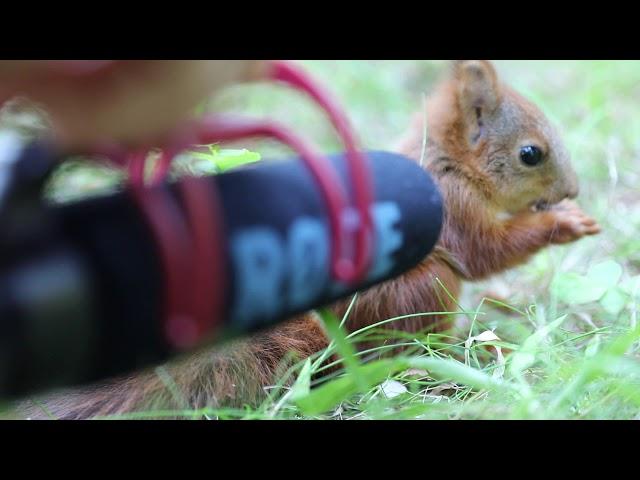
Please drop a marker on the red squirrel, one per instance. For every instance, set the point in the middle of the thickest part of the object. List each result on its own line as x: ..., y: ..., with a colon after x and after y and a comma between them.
x: 506, y: 181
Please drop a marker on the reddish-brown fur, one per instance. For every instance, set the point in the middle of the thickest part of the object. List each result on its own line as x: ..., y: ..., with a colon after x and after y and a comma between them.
x: 475, y: 127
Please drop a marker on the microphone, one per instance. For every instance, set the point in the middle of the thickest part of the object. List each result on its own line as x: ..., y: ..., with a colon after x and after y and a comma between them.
x: 81, y: 298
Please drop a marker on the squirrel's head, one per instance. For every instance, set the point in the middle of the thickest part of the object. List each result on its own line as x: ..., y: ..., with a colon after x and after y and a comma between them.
x: 499, y: 139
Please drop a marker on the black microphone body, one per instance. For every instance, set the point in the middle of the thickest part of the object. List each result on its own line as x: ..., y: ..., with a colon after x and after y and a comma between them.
x: 84, y: 301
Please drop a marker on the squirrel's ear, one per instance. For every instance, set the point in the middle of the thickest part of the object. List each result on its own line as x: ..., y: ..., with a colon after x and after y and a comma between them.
x: 478, y: 84
x: 478, y: 92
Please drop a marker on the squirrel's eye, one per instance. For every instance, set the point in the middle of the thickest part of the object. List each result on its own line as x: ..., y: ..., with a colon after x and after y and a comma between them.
x: 530, y: 155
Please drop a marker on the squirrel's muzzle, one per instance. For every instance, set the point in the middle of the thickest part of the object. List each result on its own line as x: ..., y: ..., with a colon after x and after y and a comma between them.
x: 566, y: 183
x: 571, y: 186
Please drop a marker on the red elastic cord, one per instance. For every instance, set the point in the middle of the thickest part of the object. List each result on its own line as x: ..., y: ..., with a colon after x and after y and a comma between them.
x: 192, y: 253
x: 173, y: 242
x: 208, y: 285
x: 349, y: 270
x: 137, y: 163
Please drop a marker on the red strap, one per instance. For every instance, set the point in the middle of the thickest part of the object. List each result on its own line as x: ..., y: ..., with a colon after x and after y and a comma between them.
x: 175, y: 249
x: 192, y: 253
x: 346, y: 269
x: 208, y: 285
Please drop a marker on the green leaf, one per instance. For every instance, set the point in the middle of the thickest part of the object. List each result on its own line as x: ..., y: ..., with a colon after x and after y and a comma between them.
x: 302, y: 385
x: 575, y: 289
x: 614, y: 301
x: 345, y: 348
x: 327, y: 396
x: 228, y: 159
x: 526, y: 355
x: 607, y: 274
x: 223, y: 160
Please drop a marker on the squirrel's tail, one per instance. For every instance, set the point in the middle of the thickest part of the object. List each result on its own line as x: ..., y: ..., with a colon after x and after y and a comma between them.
x: 229, y: 376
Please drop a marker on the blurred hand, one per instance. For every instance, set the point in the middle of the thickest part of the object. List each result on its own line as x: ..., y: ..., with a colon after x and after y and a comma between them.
x: 132, y: 102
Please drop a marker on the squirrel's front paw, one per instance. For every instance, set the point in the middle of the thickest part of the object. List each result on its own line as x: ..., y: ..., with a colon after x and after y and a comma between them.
x: 571, y: 223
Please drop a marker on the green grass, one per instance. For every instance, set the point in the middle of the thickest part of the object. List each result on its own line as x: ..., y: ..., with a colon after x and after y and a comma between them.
x: 566, y: 337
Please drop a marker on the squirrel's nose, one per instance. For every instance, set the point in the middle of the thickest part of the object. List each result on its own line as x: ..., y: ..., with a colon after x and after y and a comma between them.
x: 573, y: 191
x: 569, y: 184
